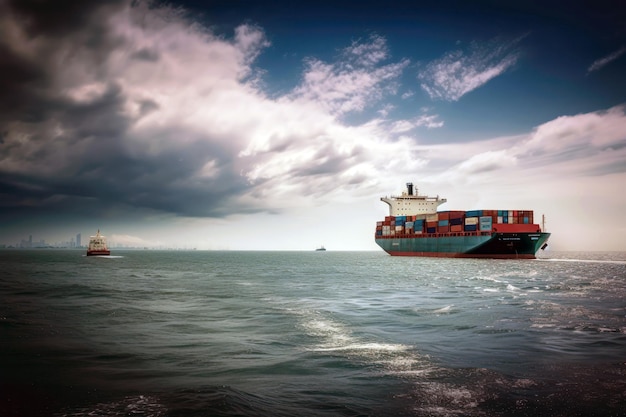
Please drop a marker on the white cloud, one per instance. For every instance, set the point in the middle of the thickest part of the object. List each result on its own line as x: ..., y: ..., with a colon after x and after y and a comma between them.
x: 353, y: 84
x: 584, y: 144
x: 425, y: 120
x: 599, y: 63
x: 587, y: 144
x: 366, y: 54
x: 457, y: 73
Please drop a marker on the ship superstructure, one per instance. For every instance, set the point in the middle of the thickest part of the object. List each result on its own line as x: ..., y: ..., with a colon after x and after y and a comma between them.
x: 409, y: 203
x: 97, y: 245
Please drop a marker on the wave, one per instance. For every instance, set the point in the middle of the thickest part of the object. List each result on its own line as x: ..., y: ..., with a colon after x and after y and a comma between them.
x: 147, y: 405
x: 336, y: 338
x: 593, y: 261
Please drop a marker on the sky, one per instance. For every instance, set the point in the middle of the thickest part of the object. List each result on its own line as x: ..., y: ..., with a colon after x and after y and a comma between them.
x: 250, y: 125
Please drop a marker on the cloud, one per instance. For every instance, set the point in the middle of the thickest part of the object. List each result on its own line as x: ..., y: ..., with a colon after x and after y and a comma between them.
x: 352, y: 84
x: 568, y: 147
x: 599, y: 63
x: 110, y: 113
x: 138, y: 110
x: 587, y: 144
x: 425, y: 120
x: 458, y: 73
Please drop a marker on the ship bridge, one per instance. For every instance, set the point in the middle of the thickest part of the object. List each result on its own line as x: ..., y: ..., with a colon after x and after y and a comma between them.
x: 410, y: 203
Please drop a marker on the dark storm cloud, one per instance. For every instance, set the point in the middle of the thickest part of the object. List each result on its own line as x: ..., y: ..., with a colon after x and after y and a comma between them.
x: 27, y: 82
x: 64, y: 152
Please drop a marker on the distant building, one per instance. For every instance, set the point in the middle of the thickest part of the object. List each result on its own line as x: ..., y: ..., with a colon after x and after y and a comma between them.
x: 78, y: 240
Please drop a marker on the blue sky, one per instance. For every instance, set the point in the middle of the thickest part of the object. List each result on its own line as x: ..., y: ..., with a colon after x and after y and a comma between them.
x: 256, y: 125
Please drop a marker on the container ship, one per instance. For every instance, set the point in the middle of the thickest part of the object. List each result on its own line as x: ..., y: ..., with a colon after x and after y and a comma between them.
x: 414, y: 227
x: 97, y: 245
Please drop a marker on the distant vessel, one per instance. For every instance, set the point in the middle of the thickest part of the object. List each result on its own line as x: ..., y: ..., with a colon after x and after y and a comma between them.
x: 414, y: 227
x: 97, y: 245
x: 320, y: 249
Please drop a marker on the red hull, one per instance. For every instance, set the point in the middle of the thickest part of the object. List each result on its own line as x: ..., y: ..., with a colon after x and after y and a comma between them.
x: 463, y: 255
x: 98, y: 252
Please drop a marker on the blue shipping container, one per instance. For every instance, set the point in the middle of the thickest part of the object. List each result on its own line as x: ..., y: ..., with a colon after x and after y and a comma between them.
x: 443, y: 222
x: 474, y: 213
x: 431, y: 230
x: 470, y: 227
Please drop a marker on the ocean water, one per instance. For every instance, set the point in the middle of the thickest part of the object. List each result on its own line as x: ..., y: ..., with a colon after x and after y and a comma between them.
x: 174, y: 333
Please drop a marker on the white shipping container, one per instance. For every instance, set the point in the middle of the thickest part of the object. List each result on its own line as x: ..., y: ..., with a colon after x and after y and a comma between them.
x: 432, y: 217
x: 399, y: 228
x: 471, y: 220
x: 499, y: 219
x: 511, y: 220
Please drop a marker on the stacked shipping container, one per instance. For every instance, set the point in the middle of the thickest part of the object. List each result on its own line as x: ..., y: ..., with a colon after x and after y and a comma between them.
x: 454, y: 222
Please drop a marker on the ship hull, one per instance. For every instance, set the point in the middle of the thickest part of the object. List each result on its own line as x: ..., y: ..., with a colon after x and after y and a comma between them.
x: 98, y: 252
x: 469, y: 245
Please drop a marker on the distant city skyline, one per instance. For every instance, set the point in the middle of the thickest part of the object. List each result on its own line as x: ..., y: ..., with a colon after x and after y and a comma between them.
x: 76, y: 243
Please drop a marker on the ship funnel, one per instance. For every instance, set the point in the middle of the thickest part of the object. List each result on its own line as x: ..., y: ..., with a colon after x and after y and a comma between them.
x: 409, y: 188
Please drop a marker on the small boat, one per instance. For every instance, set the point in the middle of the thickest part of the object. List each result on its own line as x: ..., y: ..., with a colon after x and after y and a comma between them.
x: 97, y: 245
x: 320, y: 249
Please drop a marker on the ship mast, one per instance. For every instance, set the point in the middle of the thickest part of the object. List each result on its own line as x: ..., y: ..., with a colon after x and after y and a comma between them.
x: 543, y: 223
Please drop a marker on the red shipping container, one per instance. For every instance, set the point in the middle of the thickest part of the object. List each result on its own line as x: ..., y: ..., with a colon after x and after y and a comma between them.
x: 516, y: 228
x: 456, y: 214
x: 443, y: 215
x: 443, y: 229
x: 456, y: 228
